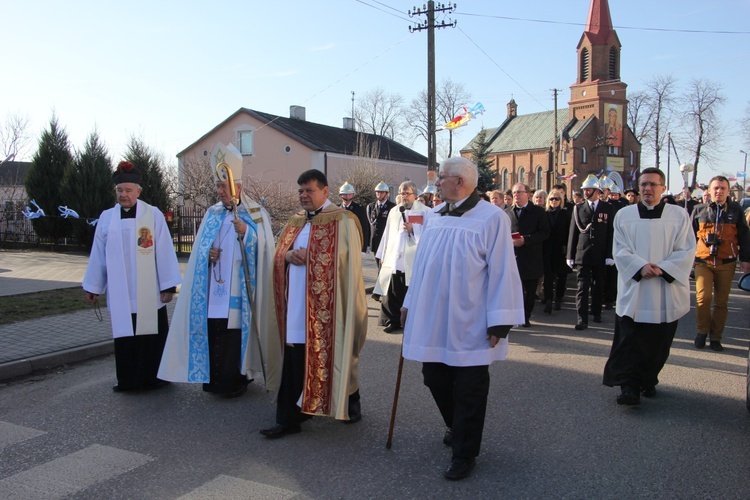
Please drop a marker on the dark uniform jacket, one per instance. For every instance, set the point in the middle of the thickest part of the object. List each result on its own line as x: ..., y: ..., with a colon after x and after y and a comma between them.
x: 590, y: 239
x: 361, y: 214
x: 378, y: 219
x: 732, y: 231
x: 534, y: 227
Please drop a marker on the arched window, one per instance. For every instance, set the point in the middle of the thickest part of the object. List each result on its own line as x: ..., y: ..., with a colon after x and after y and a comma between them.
x: 522, y: 175
x: 539, y: 177
x: 584, y: 155
x: 612, y: 63
x: 563, y: 156
x: 632, y: 158
x: 504, y: 180
x: 584, y: 65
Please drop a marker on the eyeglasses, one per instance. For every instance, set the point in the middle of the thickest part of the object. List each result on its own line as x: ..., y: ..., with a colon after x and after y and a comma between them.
x: 554, y: 199
x: 406, y: 194
x: 443, y: 177
x: 649, y: 184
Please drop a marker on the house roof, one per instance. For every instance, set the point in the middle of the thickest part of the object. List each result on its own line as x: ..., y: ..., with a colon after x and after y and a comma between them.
x: 13, y: 173
x: 325, y: 138
x: 525, y: 132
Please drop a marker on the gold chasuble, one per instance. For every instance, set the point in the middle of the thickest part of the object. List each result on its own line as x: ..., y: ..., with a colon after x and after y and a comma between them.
x: 335, y: 307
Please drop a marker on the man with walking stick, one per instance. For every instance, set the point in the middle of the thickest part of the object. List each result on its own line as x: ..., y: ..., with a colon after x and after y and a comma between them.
x: 465, y: 297
x: 224, y: 315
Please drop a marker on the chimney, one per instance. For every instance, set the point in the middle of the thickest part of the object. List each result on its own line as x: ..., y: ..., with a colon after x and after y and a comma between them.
x: 512, y: 108
x: 348, y: 123
x: 297, y: 112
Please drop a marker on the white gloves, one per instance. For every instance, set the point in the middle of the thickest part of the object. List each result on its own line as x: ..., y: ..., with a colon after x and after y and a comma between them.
x: 609, y: 262
x: 570, y: 263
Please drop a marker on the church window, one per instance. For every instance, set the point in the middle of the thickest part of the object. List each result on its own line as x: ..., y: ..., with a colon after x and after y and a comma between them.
x: 584, y: 155
x: 539, y: 177
x: 632, y: 158
x: 584, y: 65
x: 504, y: 182
x: 612, y: 63
x: 522, y: 175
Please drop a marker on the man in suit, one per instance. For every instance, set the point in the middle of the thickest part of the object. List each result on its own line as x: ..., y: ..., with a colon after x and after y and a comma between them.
x: 377, y: 214
x: 590, y: 250
x: 530, y: 228
x: 347, y: 193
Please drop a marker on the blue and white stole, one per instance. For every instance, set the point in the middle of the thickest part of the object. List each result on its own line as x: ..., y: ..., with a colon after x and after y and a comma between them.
x: 239, y: 302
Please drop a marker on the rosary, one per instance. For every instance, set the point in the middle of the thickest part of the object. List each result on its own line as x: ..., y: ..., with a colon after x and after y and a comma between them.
x: 217, y: 262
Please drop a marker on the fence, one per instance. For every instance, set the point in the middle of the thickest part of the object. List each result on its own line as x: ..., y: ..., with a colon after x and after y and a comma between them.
x: 16, y: 231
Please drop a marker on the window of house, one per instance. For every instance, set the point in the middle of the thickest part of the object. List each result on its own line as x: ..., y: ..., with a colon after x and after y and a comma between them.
x: 244, y: 141
x: 613, y: 151
x: 584, y: 155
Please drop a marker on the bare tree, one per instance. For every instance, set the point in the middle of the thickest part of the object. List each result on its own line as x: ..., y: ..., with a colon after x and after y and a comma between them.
x: 277, y: 197
x: 450, y: 98
x: 192, y: 183
x: 641, y: 115
x: 364, y: 173
x: 702, y: 103
x: 380, y: 113
x: 745, y: 124
x: 14, y: 137
x: 661, y: 91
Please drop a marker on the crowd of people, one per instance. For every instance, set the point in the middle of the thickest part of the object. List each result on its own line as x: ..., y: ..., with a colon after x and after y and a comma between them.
x: 293, y: 309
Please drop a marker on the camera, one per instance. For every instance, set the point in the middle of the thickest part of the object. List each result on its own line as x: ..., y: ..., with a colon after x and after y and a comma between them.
x: 713, y: 242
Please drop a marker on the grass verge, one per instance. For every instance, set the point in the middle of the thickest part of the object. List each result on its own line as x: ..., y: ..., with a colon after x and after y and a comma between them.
x: 40, y: 304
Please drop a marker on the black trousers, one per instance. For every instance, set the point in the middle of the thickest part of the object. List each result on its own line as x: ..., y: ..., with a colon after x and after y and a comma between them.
x: 590, y: 278
x: 529, y: 296
x: 639, y: 352
x: 460, y: 393
x: 292, y: 384
x: 225, y: 353
x: 610, y: 293
x: 394, y: 299
x: 137, y: 358
x: 554, y: 285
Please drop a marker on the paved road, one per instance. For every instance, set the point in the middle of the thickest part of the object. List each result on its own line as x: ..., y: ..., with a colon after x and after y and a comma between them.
x: 553, y: 430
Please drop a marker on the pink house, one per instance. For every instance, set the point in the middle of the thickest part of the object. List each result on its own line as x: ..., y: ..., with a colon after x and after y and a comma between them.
x: 278, y: 149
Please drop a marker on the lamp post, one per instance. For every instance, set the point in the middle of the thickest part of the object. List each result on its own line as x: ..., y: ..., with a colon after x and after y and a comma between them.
x: 744, y: 176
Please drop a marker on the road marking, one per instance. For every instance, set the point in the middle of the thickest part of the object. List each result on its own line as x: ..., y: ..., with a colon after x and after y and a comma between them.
x: 227, y: 487
x: 12, y: 434
x: 72, y: 473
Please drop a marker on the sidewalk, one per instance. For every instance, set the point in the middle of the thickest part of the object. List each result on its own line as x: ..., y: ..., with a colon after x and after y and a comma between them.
x: 53, y: 341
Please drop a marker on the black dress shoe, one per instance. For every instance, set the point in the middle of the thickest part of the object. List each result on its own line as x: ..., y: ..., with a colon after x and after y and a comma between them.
x: 648, y: 392
x: 526, y: 325
x: 558, y: 305
x: 715, y: 345
x: 236, y: 393
x: 582, y: 326
x: 597, y: 319
x: 448, y: 437
x: 118, y: 388
x: 629, y: 397
x: 355, y: 412
x: 459, y: 468
x: 391, y: 329
x: 700, y: 340
x: 281, y: 430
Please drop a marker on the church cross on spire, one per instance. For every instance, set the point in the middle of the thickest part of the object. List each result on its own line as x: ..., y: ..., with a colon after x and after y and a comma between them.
x: 599, y: 24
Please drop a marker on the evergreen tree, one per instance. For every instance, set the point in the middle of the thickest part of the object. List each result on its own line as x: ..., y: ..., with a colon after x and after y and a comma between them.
x: 88, y: 187
x: 44, y: 179
x: 487, y: 174
x: 153, y: 180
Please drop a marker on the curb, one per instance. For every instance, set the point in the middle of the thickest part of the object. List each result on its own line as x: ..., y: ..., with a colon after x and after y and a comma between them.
x: 22, y: 367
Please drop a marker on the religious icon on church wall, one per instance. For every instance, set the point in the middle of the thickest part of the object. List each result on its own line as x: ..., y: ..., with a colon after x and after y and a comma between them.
x: 613, y: 124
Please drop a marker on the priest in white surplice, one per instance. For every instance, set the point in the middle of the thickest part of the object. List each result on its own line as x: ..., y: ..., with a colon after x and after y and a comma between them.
x: 654, y: 248
x: 219, y: 326
x: 464, y: 296
x: 133, y: 260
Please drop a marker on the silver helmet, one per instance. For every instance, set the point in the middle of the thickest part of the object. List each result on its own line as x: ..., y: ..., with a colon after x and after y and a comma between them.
x: 382, y: 187
x: 347, y: 188
x: 591, y: 182
x: 430, y: 189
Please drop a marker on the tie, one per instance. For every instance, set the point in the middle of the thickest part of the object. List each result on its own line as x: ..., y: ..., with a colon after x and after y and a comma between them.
x: 593, y: 206
x: 518, y: 212
x: 310, y: 215
x: 451, y: 207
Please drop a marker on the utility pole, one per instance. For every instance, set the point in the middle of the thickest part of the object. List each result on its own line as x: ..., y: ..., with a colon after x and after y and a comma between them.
x: 353, y: 121
x: 429, y: 25
x: 558, y: 144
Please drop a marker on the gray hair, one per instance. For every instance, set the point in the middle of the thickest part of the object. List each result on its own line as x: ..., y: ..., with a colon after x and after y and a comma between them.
x: 463, y: 167
x: 408, y: 185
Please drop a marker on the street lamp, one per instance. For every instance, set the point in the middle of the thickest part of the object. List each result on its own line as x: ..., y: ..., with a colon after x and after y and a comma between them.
x: 744, y: 176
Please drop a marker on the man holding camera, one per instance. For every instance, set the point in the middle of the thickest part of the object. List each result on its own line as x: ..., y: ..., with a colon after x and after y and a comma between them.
x: 722, y: 238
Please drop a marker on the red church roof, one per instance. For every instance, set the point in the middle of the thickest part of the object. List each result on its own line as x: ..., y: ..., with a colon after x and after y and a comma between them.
x: 599, y: 25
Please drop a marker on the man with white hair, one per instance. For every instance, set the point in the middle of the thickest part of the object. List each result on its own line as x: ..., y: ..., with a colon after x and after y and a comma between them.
x: 224, y: 313
x: 396, y: 253
x: 463, y: 299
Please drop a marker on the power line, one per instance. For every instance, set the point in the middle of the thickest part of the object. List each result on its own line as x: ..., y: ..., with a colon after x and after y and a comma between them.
x: 637, y: 28
x: 383, y: 10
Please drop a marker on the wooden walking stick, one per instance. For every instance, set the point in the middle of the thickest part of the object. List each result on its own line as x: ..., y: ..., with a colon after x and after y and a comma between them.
x: 224, y: 172
x: 395, y: 398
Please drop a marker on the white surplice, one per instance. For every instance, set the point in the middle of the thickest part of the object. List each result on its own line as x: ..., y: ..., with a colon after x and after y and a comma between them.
x: 668, y: 242
x: 112, y: 267
x: 465, y: 279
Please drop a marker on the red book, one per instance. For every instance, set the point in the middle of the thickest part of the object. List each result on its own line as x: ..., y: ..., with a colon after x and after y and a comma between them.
x: 416, y: 219
x: 515, y: 236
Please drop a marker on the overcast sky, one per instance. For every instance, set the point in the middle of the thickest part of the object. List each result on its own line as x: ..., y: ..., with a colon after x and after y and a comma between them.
x: 169, y: 71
